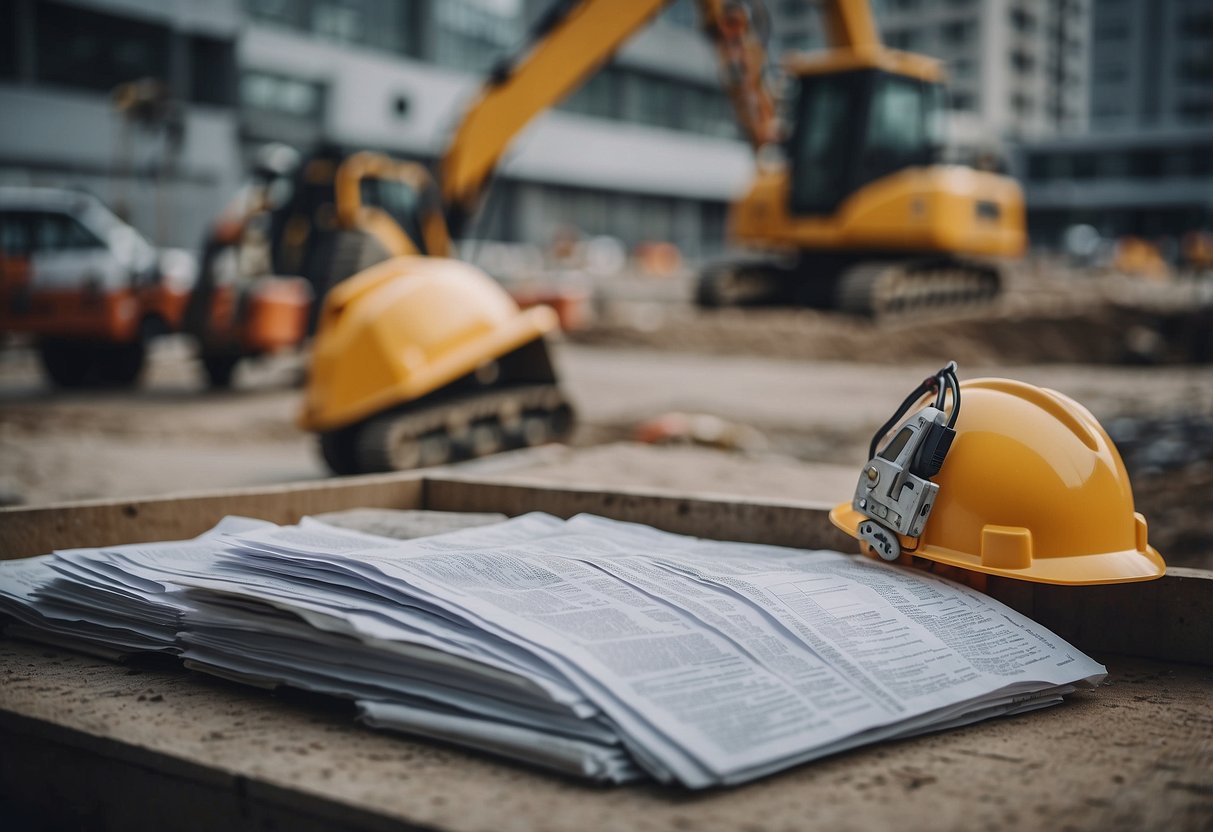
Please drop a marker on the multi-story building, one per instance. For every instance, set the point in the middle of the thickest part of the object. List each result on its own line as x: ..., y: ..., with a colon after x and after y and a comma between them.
x: 1146, y: 166
x: 1016, y: 66
x: 1151, y: 64
x: 59, y: 64
x: 646, y: 151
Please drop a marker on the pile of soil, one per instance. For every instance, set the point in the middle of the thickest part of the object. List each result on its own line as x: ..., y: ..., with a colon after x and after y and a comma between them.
x: 1080, y: 320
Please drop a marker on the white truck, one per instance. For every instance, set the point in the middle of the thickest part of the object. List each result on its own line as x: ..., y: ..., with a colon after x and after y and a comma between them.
x: 85, y: 285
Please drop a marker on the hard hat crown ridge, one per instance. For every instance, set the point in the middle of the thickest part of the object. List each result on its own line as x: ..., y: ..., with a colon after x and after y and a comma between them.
x: 1032, y: 487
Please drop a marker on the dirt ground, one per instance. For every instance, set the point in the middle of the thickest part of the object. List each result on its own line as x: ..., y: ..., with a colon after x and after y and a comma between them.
x: 806, y: 415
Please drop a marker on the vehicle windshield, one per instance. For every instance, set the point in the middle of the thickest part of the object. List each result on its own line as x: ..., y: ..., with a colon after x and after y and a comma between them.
x: 399, y: 200
x: 853, y: 128
x: 128, y: 244
x: 903, y: 126
x: 821, y: 142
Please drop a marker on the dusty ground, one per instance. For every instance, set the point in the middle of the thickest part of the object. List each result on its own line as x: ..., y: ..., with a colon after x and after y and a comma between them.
x: 1133, y: 755
x: 801, y: 386
x: 1084, y: 319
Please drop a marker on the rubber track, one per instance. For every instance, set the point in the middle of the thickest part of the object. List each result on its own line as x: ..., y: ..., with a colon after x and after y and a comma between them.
x: 883, y: 288
x: 455, y: 416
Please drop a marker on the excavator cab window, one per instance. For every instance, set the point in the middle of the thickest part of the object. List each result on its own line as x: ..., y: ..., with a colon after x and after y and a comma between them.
x: 852, y: 128
x: 820, y: 151
x: 401, y: 201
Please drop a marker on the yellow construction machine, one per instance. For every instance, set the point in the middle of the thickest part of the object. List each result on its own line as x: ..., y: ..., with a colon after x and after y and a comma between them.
x: 422, y: 359
x: 419, y: 359
x: 859, y: 214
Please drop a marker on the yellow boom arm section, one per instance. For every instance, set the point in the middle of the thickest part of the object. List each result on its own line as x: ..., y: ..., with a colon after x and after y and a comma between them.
x: 568, y: 44
x: 849, y: 25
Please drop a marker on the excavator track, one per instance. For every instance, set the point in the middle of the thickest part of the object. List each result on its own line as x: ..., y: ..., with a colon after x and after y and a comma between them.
x: 741, y: 283
x: 880, y: 288
x: 467, y: 425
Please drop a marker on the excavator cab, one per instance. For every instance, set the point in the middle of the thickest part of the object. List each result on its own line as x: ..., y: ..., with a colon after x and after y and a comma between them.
x: 863, y: 216
x: 350, y: 212
x: 852, y: 128
x: 324, y: 219
x: 418, y: 359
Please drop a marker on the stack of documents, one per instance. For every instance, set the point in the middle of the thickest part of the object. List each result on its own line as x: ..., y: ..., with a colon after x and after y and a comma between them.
x: 604, y: 649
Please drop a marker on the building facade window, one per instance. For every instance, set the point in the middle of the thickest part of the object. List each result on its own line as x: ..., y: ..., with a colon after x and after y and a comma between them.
x: 90, y: 50
x: 1022, y: 21
x: 1022, y: 62
x: 212, y: 71
x: 957, y: 32
x: 1084, y: 166
x: 1022, y: 105
x: 1197, y: 107
x: 293, y: 13
x: 389, y: 25
x: 963, y: 101
x: 626, y: 94
x: 1200, y: 160
x: 1113, y: 164
x: 961, y: 69
x: 1197, y: 69
x: 8, y: 41
x: 1146, y: 164
x: 472, y: 35
x: 681, y: 13
x: 651, y: 100
x: 270, y: 92
x: 1196, y: 25
x: 908, y: 40
x: 599, y: 96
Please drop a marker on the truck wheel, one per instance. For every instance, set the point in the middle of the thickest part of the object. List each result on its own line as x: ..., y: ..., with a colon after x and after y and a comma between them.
x: 219, y: 370
x: 68, y: 363
x: 119, y: 365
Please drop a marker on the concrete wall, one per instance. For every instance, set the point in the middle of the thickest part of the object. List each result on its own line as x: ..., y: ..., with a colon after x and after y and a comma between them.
x: 64, y: 138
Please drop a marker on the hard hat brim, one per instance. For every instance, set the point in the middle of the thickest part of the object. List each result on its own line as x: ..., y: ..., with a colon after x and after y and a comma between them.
x: 1102, y: 568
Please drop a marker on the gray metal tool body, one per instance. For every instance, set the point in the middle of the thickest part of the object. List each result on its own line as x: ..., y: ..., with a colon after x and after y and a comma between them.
x: 894, y: 492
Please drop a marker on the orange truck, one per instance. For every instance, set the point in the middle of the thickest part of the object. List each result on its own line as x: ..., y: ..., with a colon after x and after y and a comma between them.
x: 239, y: 307
x: 87, y: 288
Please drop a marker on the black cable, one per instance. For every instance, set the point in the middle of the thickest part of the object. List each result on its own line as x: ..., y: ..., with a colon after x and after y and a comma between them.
x: 954, y: 383
x: 939, y: 383
x: 924, y: 387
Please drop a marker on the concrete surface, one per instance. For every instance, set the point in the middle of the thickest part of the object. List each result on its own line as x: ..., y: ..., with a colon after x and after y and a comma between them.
x: 1136, y: 754
x: 171, y: 435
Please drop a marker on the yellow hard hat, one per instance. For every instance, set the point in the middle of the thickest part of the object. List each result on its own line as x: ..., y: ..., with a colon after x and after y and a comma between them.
x: 1030, y: 488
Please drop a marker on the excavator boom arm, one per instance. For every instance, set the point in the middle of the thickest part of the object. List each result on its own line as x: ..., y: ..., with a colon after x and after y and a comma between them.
x: 849, y: 25
x: 567, y: 45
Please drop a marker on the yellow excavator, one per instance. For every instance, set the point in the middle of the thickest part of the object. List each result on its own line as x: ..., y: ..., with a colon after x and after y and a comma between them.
x: 861, y: 216
x: 858, y: 216
x: 422, y: 359
x: 419, y: 359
